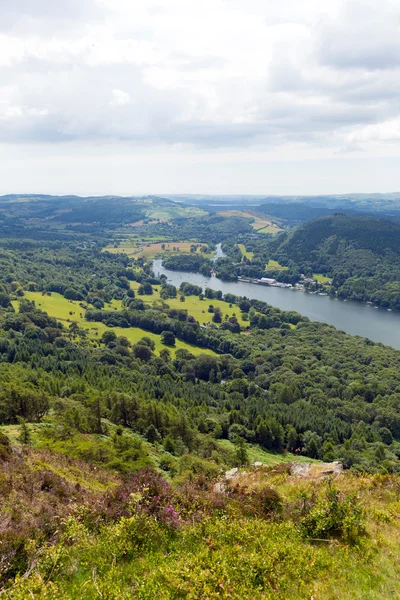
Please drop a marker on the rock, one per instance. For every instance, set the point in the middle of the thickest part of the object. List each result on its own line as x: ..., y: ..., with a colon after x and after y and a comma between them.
x: 300, y: 469
x: 316, y: 470
x: 232, y: 473
x: 333, y: 468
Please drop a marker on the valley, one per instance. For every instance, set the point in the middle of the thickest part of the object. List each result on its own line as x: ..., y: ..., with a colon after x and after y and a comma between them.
x: 155, y: 404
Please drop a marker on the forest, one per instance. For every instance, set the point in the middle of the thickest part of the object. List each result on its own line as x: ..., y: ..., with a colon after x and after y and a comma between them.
x: 360, y: 256
x: 125, y: 399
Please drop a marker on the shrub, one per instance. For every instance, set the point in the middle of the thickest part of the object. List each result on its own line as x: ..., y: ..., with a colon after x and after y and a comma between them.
x: 334, y: 516
x: 5, y: 447
x: 267, y: 501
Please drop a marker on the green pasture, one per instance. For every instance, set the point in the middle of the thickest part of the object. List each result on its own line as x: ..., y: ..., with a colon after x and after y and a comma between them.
x: 270, y: 229
x: 256, y: 454
x: 321, y: 278
x: 196, y: 308
x: 273, y: 265
x: 147, y: 249
x: 243, y: 250
x: 69, y: 311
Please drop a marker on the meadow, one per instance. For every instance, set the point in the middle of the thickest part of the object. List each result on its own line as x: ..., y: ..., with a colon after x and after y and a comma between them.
x: 145, y: 249
x: 196, y: 307
x: 69, y: 311
x: 244, y: 252
x: 259, y: 223
x: 273, y: 265
x: 322, y: 278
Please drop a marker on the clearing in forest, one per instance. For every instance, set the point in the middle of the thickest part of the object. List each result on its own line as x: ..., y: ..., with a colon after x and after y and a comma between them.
x: 260, y: 223
x: 70, y: 311
x: 139, y: 249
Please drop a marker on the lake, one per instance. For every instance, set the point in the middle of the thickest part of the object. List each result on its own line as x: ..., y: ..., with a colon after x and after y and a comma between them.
x: 355, y: 318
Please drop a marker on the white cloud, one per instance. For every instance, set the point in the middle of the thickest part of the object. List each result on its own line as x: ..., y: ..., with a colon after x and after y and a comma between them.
x: 119, y: 98
x: 294, y: 78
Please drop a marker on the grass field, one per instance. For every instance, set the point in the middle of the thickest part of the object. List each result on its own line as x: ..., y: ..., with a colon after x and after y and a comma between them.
x: 273, y: 265
x: 257, y: 454
x: 321, y: 278
x: 166, y: 213
x: 59, y: 307
x: 260, y: 223
x: 243, y: 250
x: 196, y: 308
x: 271, y: 228
x: 151, y: 249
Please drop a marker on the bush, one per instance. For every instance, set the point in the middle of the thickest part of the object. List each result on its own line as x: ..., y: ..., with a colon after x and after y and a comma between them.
x: 5, y: 447
x: 267, y: 501
x: 334, y: 516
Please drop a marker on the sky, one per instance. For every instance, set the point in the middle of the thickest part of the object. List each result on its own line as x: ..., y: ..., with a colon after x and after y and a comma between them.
x: 211, y: 97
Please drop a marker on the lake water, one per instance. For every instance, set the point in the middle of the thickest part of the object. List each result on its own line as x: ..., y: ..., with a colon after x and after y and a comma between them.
x: 355, y: 318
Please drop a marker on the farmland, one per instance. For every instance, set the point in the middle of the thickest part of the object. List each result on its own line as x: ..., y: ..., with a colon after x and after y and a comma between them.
x: 273, y: 265
x: 145, y: 249
x: 243, y: 250
x: 69, y: 311
x: 196, y: 308
x: 259, y: 223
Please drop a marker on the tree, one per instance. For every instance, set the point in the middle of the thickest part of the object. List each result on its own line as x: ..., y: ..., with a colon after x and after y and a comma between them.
x: 24, y: 433
x: 165, y: 354
x: 145, y: 289
x: 217, y: 316
x: 292, y: 438
x: 4, y: 300
x: 108, y: 336
x: 169, y: 445
x: 167, y: 338
x: 241, y: 454
x: 142, y: 352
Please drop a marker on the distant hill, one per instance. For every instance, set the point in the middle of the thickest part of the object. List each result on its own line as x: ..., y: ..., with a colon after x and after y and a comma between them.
x: 82, y: 214
x: 299, y: 212
x: 361, y: 254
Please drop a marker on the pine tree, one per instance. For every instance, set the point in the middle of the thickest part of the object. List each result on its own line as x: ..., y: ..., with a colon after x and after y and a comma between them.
x: 24, y: 433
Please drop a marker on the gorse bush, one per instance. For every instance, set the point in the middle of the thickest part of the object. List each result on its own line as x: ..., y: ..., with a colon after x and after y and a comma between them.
x: 334, y: 516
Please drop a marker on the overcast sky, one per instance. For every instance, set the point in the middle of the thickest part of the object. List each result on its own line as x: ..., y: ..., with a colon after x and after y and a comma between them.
x: 209, y: 96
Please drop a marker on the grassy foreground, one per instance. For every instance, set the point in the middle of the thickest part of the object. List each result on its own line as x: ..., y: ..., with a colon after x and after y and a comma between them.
x: 267, y: 535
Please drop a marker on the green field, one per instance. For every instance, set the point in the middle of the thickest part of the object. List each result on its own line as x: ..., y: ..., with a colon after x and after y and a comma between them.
x: 196, y: 308
x: 273, y: 265
x: 243, y: 250
x: 270, y: 229
x: 69, y: 311
x: 166, y: 213
x: 256, y: 454
x: 321, y: 278
x: 149, y: 250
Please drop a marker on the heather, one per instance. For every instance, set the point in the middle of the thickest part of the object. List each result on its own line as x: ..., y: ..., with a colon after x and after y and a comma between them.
x: 263, y: 534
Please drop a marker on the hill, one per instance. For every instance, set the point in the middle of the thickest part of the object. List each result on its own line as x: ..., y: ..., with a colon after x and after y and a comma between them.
x: 127, y: 406
x: 294, y: 213
x: 86, y: 214
x: 263, y: 533
x: 360, y: 254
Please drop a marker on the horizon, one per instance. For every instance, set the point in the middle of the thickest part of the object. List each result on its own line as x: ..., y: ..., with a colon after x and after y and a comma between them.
x: 166, y: 195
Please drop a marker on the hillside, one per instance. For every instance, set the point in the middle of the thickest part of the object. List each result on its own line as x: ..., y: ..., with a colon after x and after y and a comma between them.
x: 360, y: 254
x: 125, y: 399
x: 262, y: 533
x: 86, y: 214
x: 294, y: 213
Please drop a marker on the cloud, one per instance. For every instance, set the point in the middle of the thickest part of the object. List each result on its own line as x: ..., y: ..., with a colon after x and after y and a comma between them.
x: 217, y: 74
x: 119, y: 98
